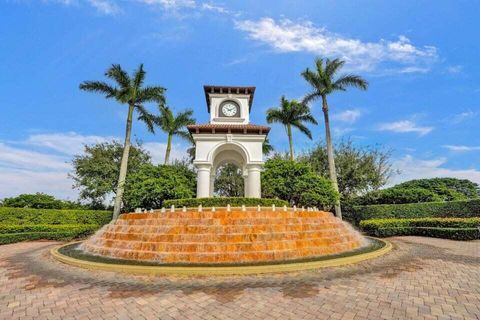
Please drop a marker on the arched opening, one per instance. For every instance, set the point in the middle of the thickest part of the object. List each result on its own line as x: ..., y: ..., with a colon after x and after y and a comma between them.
x: 229, y: 181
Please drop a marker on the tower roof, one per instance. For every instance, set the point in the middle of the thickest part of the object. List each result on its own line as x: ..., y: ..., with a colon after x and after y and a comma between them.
x: 229, y: 89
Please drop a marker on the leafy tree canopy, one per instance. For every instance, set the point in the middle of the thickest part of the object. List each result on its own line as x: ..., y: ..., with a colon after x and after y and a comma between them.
x: 39, y: 201
x: 96, y: 171
x: 423, y: 190
x: 151, y: 184
x: 297, y: 183
x: 359, y: 169
x: 229, y: 181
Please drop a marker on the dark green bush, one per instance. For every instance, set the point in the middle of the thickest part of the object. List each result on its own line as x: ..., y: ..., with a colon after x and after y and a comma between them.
x: 296, y: 183
x: 398, y: 195
x: 449, y: 228
x: 44, y: 232
x: 223, y: 202
x: 39, y: 201
x: 151, y: 185
x: 52, y: 216
x: 461, y: 209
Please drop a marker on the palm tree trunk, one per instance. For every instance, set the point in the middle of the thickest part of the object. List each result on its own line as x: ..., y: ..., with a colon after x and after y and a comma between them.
x: 123, y: 166
x: 290, y: 141
x: 169, y: 147
x: 331, y: 158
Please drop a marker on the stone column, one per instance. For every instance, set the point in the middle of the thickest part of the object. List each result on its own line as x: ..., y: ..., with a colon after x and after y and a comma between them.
x: 253, y: 181
x: 203, y: 181
x: 212, y: 183
x: 245, y: 183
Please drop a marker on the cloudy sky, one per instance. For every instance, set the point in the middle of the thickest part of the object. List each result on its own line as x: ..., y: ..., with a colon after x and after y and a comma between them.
x: 421, y: 61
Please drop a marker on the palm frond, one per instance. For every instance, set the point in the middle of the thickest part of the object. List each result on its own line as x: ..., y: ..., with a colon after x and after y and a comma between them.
x: 302, y: 128
x: 311, y: 96
x: 184, y: 135
x: 350, y: 80
x: 146, y: 117
x: 151, y: 94
x: 332, y: 66
x: 115, y: 72
x: 100, y: 87
x: 139, y: 77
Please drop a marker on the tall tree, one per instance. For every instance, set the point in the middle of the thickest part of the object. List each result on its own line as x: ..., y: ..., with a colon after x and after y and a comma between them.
x: 96, y: 170
x: 128, y: 90
x: 267, y: 147
x: 172, y: 125
x: 323, y: 82
x: 292, y: 114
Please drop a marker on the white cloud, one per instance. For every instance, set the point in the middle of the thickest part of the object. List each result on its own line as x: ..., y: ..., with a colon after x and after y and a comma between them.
x: 12, y: 157
x: 404, y: 126
x: 463, y: 116
x: 455, y: 69
x: 412, y: 168
x: 157, y: 151
x: 70, y: 143
x: 288, y: 36
x: 461, y: 148
x: 171, y: 4
x: 105, y: 6
x: 349, y: 116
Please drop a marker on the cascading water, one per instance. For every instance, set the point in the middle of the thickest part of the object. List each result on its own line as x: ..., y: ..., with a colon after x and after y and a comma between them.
x: 224, y: 236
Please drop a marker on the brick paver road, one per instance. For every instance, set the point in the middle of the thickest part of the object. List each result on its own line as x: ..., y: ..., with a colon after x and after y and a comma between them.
x: 422, y: 278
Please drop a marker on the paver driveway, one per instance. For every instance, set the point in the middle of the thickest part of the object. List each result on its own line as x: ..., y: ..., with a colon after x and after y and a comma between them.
x: 421, y: 278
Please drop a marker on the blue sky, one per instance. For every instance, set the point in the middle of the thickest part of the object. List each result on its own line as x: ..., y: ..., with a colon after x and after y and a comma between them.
x: 420, y: 57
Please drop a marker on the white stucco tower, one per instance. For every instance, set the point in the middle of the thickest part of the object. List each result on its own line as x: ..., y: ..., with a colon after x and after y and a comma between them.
x: 228, y: 138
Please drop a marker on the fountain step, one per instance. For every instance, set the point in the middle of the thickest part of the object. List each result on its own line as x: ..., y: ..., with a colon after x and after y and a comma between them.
x: 218, y: 237
x: 227, y: 221
x: 221, y: 257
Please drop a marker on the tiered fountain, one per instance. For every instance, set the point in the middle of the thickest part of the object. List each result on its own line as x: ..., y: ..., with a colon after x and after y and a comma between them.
x: 224, y: 236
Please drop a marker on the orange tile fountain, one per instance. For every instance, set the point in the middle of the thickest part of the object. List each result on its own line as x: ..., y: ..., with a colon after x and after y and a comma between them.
x: 221, y: 236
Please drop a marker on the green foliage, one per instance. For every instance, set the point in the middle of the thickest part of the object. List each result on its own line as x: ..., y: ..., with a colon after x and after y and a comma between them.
x: 21, y: 216
x: 462, y: 208
x: 96, y: 171
x: 359, y: 169
x: 398, y: 195
x: 151, y: 185
x: 229, y: 181
x: 449, y: 189
x: 296, y: 183
x: 423, y: 190
x: 16, y: 233
x: 224, y: 201
x: 450, y: 228
x: 39, y: 201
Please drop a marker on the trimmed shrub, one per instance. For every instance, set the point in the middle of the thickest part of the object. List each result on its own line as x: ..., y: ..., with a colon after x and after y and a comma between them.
x: 52, y: 216
x: 461, y: 209
x: 449, y: 228
x: 397, y: 195
x: 40, y: 201
x: 223, y: 202
x: 296, y: 183
x: 16, y: 233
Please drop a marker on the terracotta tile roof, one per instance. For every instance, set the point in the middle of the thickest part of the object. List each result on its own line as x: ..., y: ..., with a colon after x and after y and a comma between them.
x: 229, y: 89
x: 228, y: 128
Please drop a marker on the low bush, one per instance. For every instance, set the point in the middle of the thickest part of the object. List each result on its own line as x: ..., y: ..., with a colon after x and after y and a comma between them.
x: 30, y: 216
x: 223, y: 202
x: 449, y: 228
x: 40, y: 201
x: 460, y: 209
x: 397, y: 195
x: 16, y: 233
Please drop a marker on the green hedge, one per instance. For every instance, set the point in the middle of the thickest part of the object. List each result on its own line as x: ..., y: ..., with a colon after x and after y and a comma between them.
x: 223, y: 202
x: 16, y: 233
x: 30, y: 216
x: 449, y: 228
x: 463, y: 209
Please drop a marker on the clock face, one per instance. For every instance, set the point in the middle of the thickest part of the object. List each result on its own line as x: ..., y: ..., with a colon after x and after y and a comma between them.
x: 230, y: 109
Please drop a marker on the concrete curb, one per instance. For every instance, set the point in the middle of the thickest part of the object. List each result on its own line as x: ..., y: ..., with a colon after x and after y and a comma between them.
x: 221, y: 270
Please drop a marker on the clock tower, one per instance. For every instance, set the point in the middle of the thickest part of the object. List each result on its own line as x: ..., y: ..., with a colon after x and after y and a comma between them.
x: 228, y: 138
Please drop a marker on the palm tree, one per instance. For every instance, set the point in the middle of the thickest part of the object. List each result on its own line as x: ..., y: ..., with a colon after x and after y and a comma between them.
x: 130, y: 91
x: 292, y: 114
x: 267, y: 147
x: 323, y: 82
x: 172, y: 125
